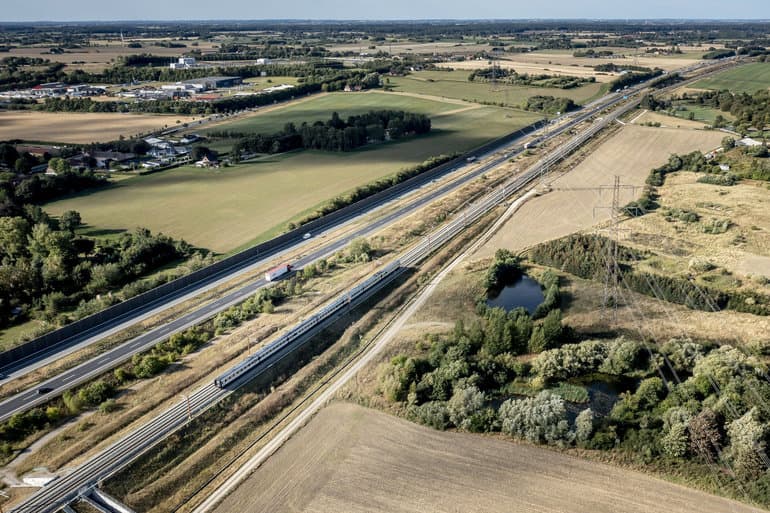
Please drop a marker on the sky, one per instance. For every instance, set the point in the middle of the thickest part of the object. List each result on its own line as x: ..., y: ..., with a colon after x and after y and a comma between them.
x: 116, y: 10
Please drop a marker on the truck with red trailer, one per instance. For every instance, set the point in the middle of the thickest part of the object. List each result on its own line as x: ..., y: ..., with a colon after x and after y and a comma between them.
x: 277, y: 272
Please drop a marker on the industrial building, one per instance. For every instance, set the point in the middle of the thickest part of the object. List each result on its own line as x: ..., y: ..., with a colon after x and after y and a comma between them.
x: 207, y: 83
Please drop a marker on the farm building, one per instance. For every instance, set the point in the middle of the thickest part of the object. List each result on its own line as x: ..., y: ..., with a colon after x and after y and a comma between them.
x: 183, y: 63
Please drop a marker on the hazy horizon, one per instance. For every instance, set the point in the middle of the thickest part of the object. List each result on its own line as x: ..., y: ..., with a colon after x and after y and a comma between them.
x: 53, y: 11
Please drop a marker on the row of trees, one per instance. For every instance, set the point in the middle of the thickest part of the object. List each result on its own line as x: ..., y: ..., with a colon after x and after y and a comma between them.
x: 337, y: 134
x: 509, y: 76
x: 550, y: 104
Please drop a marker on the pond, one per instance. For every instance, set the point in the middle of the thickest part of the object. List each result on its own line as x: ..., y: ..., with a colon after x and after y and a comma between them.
x: 524, y: 292
x: 603, y: 392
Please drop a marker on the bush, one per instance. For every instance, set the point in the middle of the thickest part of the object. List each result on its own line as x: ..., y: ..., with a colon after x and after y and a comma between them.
x: 108, y: 406
x: 464, y: 403
x: 95, y: 393
x: 148, y: 365
x: 542, y: 418
x: 434, y: 414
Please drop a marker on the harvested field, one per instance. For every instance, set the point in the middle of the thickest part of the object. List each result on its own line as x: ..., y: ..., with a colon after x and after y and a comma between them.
x: 549, y: 58
x: 630, y: 154
x: 69, y: 127
x: 353, y: 459
x: 534, y: 68
x: 667, y: 121
x: 454, y: 84
x: 101, y: 54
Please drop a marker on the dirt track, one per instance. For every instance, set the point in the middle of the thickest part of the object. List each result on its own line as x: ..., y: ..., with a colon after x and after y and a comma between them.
x: 352, y: 459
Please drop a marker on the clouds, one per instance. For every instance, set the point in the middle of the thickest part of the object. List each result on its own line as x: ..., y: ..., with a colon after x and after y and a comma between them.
x: 73, y: 10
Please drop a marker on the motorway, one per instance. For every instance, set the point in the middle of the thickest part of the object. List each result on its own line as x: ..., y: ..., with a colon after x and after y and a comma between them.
x: 112, y: 358
x: 108, y: 461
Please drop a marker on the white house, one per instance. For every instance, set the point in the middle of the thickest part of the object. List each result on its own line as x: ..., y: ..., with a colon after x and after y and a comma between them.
x: 183, y: 63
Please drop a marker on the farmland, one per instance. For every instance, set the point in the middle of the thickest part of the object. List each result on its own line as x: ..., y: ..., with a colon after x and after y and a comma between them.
x: 102, y: 54
x: 320, y: 107
x: 352, y: 459
x: 748, y: 78
x: 79, y: 128
x: 247, y: 201
x: 455, y: 84
x: 629, y: 154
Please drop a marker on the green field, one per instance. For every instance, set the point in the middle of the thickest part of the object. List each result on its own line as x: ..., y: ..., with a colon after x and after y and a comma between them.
x: 229, y: 208
x: 321, y: 108
x: 454, y: 84
x: 748, y: 78
x: 705, y: 114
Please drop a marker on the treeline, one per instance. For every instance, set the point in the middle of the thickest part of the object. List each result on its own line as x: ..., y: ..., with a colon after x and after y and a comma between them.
x: 591, y: 53
x: 337, y: 134
x: 630, y: 79
x: 585, y: 256
x: 749, y: 110
x: 47, y: 269
x: 17, y: 191
x: 509, y: 76
x: 336, y: 82
x: 718, y: 54
x: 614, y: 68
x: 14, y: 75
x: 550, y: 104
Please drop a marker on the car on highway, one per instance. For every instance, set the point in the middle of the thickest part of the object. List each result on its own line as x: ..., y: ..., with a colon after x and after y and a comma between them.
x: 306, y: 236
x: 44, y: 390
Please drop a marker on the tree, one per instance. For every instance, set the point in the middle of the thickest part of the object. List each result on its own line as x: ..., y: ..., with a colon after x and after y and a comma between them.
x: 705, y: 435
x: 359, y: 250
x: 552, y: 329
x: 8, y: 155
x: 22, y: 166
x: 747, y: 444
x: 464, y: 403
x: 13, y: 238
x: 728, y: 143
x: 70, y: 220
x: 59, y: 165
x: 584, y: 425
x: 201, y: 151
x: 674, y: 443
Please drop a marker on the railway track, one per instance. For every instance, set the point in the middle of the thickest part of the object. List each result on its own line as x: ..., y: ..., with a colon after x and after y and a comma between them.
x: 104, y: 464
